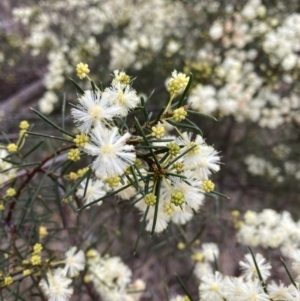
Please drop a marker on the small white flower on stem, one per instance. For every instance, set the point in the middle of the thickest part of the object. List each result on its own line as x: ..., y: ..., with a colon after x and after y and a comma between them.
x: 93, y: 109
x: 123, y: 97
x: 95, y: 190
x: 56, y: 287
x: 249, y: 269
x: 74, y: 262
x: 211, y: 287
x: 113, y: 156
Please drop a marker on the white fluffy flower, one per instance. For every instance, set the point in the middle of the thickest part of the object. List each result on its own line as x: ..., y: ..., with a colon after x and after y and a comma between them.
x: 93, y: 109
x: 202, y: 268
x: 113, y: 155
x: 249, y: 268
x: 279, y: 292
x: 210, y: 251
x: 208, y: 162
x: 162, y: 219
x: 182, y: 214
x: 123, y: 97
x: 211, y: 287
x: 56, y: 288
x: 192, y: 157
x: 201, y: 158
x: 252, y: 291
x: 190, y: 188
x: 234, y: 287
x: 94, y: 191
x: 74, y: 263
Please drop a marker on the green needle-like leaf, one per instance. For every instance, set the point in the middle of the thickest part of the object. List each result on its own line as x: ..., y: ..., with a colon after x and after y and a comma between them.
x: 48, y: 136
x: 157, y: 194
x: 77, y: 86
x: 202, y: 115
x: 258, y: 272
x: 52, y: 123
x: 289, y: 274
x: 184, y: 288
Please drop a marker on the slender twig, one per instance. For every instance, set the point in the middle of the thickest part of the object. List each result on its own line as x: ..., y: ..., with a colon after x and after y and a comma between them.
x: 30, y: 176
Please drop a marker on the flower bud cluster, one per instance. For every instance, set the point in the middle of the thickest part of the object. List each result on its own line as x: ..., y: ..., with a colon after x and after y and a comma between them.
x: 270, y: 229
x: 112, y: 278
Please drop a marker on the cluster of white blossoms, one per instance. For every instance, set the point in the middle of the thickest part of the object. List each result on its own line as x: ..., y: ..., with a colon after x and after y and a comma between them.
x: 237, y: 64
x: 166, y: 178
x: 204, y: 258
x: 56, y: 284
x: 109, y: 275
x: 261, y: 167
x: 247, y: 58
x: 97, y: 30
x: 112, y: 278
x: 270, y: 229
x: 279, y: 167
x: 254, y: 284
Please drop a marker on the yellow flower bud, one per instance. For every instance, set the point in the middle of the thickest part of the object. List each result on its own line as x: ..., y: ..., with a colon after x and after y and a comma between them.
x: 74, y: 154
x: 150, y: 199
x: 82, y: 70
x: 10, y: 192
x: 12, y: 147
x: 208, y: 186
x: 158, y: 131
x: 24, y: 125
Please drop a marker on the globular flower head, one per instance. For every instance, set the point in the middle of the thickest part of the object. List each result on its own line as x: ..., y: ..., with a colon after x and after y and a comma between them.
x: 82, y: 70
x: 37, y: 248
x: 174, y: 149
x: 12, y: 147
x: 210, y: 251
x: 249, y: 269
x: 74, y: 262
x: 112, y: 153
x: 24, y: 125
x: 10, y: 192
x: 211, y: 287
x: 56, y: 288
x: 150, y: 199
x: 123, y: 97
x: 158, y: 131
x: 80, y: 140
x: 179, y: 114
x: 184, y: 191
x: 208, y: 186
x: 279, y: 291
x: 177, y: 83
x: 94, y: 109
x: 43, y: 232
x: 36, y: 259
x: 113, y: 181
x: 74, y: 154
x: 95, y: 190
x: 8, y: 280
x: 121, y: 77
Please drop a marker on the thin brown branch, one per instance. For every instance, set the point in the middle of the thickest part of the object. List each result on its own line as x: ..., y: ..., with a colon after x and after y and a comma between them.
x: 30, y: 176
